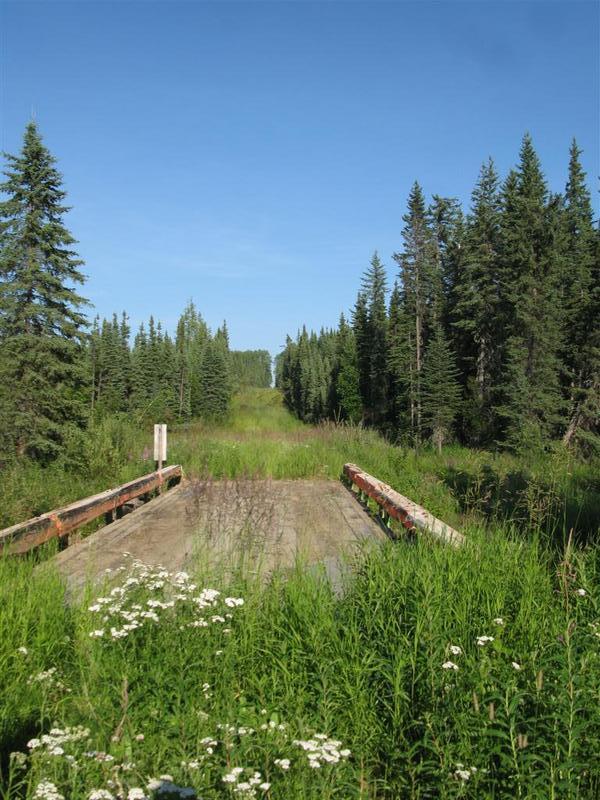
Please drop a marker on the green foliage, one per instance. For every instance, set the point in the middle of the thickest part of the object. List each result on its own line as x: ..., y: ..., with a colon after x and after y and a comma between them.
x: 441, y: 390
x: 251, y: 368
x: 214, y: 381
x: 513, y: 289
x: 42, y: 376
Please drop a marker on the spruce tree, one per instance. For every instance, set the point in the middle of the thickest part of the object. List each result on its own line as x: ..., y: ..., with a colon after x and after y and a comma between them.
x: 420, y: 286
x: 475, y: 313
x: 214, y: 382
x: 360, y: 325
x: 580, y: 287
x: 441, y: 390
x: 347, y: 404
x: 374, y: 347
x: 42, y: 367
x: 529, y: 390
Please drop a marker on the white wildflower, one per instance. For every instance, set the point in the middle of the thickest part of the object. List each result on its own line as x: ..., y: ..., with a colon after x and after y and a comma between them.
x: 282, y: 763
x: 483, y: 640
x: 581, y: 592
x: 23, y: 651
x: 232, y: 602
x: 47, y: 791
x: 515, y: 665
x: 449, y: 665
x: 455, y: 650
x: 137, y: 794
x: 498, y: 621
x: 97, y: 634
x: 462, y: 774
x: 101, y: 794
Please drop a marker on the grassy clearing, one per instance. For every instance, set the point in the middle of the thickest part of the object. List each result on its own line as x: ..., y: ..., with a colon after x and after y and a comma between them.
x: 261, y: 438
x: 394, y: 670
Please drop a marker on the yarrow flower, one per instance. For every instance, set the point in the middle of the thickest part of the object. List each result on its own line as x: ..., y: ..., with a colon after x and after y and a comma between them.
x: 137, y: 794
x: 483, y: 640
x: 498, y: 621
x: 515, y: 665
x: 322, y: 750
x: 581, y: 592
x: 47, y: 791
x: 449, y: 665
x: 282, y: 763
x: 462, y: 774
x: 455, y: 649
x: 101, y: 794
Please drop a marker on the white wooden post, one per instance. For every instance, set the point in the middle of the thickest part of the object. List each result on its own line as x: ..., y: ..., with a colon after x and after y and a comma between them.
x: 160, y: 445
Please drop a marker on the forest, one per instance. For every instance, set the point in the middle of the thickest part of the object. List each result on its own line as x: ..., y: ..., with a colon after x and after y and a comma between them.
x: 59, y: 376
x: 490, y: 335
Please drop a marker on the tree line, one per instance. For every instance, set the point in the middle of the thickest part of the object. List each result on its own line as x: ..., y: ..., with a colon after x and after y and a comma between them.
x: 490, y: 334
x: 56, y: 374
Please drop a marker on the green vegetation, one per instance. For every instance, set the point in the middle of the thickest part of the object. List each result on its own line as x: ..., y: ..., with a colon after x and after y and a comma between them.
x: 41, y: 326
x: 506, y: 298
x: 391, y: 669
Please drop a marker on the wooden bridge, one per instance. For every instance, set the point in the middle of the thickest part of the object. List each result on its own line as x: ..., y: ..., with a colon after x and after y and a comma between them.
x: 270, y: 522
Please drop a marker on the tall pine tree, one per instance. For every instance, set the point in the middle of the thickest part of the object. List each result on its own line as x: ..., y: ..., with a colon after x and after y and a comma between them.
x: 529, y: 386
x: 42, y: 367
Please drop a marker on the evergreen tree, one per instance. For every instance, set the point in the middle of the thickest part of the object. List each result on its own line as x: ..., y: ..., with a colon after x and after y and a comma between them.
x: 42, y: 367
x: 447, y: 225
x: 581, y: 357
x: 529, y: 390
x: 475, y: 313
x: 360, y: 325
x: 346, y: 404
x: 214, y: 382
x: 374, y: 345
x: 420, y: 286
x: 441, y: 390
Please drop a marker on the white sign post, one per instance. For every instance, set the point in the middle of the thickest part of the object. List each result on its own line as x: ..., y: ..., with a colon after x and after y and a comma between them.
x: 160, y: 445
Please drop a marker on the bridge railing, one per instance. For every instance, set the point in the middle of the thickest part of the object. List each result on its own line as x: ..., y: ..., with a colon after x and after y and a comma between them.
x: 393, y: 505
x: 27, y: 535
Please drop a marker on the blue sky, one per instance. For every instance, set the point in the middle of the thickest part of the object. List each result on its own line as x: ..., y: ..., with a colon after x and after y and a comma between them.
x: 251, y: 155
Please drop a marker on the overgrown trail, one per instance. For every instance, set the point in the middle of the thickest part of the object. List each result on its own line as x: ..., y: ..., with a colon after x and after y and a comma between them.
x: 266, y: 522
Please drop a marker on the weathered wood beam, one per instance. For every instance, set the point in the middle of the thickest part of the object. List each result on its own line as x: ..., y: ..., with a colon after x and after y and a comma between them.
x: 400, y: 508
x: 25, y: 536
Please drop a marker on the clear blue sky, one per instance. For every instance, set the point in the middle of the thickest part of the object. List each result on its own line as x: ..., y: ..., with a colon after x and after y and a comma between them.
x: 253, y: 155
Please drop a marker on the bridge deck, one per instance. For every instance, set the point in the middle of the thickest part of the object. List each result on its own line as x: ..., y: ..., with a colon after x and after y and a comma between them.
x: 267, y: 522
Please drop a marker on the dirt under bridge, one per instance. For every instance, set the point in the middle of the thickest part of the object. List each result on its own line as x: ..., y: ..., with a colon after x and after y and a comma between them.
x: 268, y: 522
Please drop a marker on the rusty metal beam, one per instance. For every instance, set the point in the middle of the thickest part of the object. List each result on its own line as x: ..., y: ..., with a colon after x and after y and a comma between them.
x: 25, y: 536
x: 400, y: 508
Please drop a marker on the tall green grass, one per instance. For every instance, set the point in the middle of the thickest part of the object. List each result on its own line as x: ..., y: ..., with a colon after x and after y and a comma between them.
x: 519, y: 717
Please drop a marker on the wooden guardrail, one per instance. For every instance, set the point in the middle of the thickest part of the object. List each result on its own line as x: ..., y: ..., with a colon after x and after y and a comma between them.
x: 25, y: 536
x: 395, y: 506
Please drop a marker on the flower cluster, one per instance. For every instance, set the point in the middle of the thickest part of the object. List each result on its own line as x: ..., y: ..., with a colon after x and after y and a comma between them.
x: 321, y: 750
x: 245, y: 788
x: 48, y: 678
x: 52, y: 743
x: 120, y: 615
x: 464, y: 774
x: 47, y: 791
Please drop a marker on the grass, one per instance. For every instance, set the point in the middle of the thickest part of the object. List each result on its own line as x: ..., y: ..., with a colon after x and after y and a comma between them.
x: 366, y: 669
x: 373, y: 668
